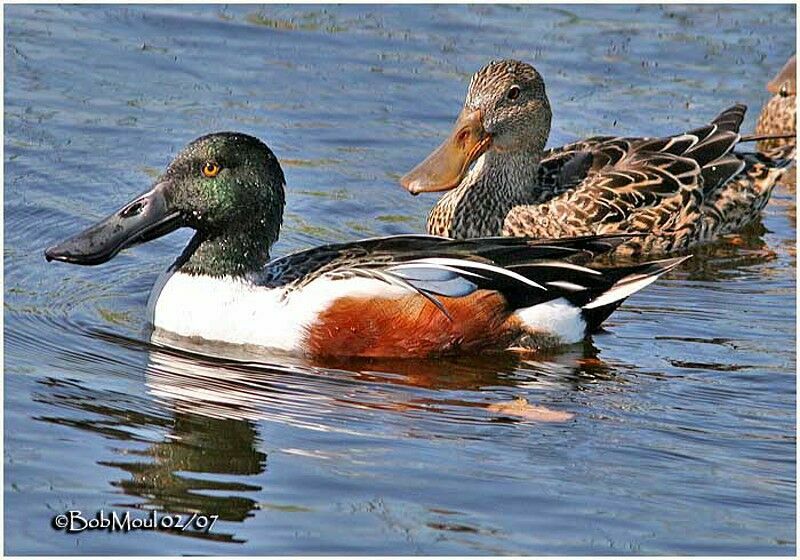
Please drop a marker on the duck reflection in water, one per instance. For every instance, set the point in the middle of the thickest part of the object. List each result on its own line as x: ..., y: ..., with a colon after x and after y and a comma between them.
x: 239, y: 380
x: 196, y: 446
x: 188, y: 471
x: 214, y: 405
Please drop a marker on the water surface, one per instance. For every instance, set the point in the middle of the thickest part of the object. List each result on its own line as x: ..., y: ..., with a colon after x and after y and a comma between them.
x: 682, y: 430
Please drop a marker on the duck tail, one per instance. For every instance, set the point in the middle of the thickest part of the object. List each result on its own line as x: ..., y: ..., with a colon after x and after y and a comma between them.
x: 627, y: 281
x: 731, y: 118
x: 765, y: 169
x: 732, y: 204
x: 782, y: 156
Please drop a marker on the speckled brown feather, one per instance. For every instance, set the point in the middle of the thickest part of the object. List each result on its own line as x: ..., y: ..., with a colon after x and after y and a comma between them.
x: 677, y: 199
x: 778, y: 116
x: 678, y: 190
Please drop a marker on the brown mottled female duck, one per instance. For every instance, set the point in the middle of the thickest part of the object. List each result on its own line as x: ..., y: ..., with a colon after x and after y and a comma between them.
x: 778, y: 115
x: 677, y: 190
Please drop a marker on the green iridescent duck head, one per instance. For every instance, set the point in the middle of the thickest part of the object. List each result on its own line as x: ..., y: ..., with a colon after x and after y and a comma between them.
x: 227, y: 186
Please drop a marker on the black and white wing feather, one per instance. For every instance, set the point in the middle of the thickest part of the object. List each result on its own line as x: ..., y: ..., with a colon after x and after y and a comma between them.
x: 341, y: 258
x: 526, y: 272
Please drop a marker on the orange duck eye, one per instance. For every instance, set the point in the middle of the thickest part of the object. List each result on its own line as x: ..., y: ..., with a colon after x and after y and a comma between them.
x: 211, y: 169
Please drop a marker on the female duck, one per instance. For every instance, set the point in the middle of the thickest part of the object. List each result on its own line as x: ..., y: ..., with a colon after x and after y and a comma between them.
x: 678, y: 190
x: 408, y: 295
x: 778, y: 115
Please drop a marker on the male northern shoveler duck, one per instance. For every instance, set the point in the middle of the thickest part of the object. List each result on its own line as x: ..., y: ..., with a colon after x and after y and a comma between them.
x: 407, y: 295
x: 778, y: 115
x: 678, y: 190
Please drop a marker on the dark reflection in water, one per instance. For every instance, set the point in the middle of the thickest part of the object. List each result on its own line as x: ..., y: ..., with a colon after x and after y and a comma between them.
x: 249, y: 388
x: 167, y: 476
x: 215, y: 403
x: 171, y: 479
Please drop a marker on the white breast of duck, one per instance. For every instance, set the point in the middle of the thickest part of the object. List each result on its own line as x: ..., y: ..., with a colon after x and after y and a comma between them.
x: 237, y: 311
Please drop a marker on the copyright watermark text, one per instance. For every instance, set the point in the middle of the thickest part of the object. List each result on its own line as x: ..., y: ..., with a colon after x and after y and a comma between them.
x: 75, y: 521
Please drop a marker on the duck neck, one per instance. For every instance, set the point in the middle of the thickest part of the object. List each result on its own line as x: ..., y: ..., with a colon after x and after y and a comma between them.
x: 498, y: 181
x: 237, y: 252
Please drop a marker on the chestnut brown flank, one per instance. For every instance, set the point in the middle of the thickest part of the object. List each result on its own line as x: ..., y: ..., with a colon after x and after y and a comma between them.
x: 412, y: 326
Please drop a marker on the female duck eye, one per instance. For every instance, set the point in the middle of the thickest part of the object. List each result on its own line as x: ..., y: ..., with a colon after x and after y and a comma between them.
x: 211, y: 169
x: 513, y: 93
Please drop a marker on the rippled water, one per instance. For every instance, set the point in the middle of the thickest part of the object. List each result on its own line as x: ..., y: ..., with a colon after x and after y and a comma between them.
x: 682, y: 429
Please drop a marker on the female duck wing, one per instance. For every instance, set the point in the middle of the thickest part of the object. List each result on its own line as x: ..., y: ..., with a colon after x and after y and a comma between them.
x: 639, y: 194
x: 566, y: 167
x: 642, y: 185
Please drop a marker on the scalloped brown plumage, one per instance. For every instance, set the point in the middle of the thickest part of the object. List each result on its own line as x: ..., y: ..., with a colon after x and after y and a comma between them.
x: 677, y: 190
x: 778, y: 116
